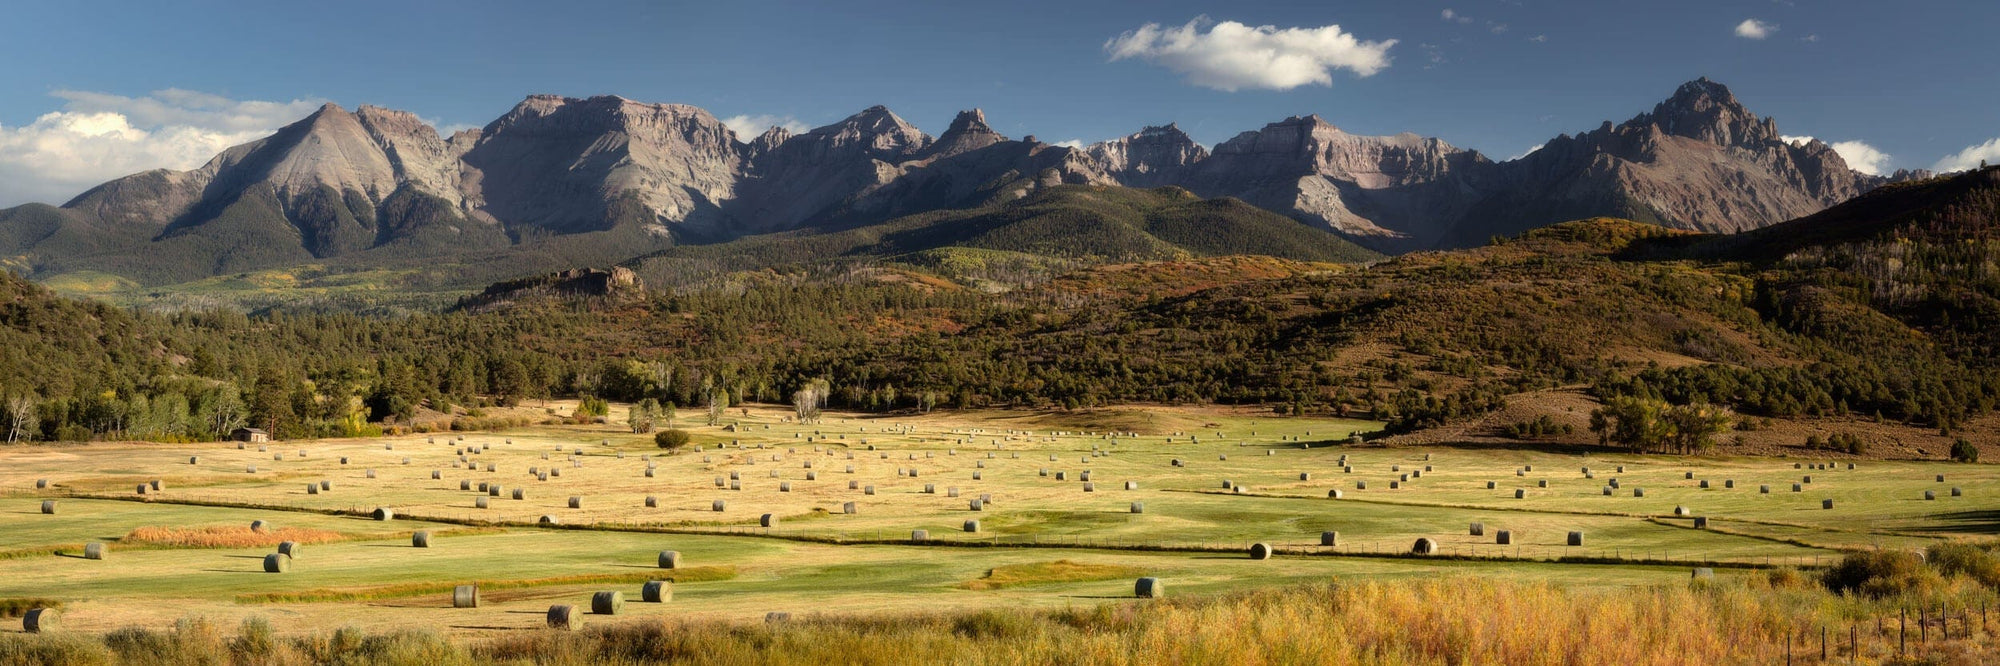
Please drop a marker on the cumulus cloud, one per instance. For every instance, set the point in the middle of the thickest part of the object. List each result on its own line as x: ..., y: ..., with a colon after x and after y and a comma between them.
x: 1970, y: 158
x: 1755, y: 29
x: 1069, y: 143
x: 749, y: 127
x: 98, y: 137
x: 1231, y: 56
x: 1858, y: 155
x: 1452, y: 15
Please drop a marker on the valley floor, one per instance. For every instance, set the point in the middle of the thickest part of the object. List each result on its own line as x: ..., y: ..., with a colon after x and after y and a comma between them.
x: 1206, y: 484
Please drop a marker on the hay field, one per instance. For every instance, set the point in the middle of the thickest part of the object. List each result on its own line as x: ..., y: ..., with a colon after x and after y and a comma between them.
x: 1193, y: 532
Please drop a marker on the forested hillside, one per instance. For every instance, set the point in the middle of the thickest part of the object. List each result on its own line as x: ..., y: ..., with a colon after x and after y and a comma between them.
x: 1620, y: 308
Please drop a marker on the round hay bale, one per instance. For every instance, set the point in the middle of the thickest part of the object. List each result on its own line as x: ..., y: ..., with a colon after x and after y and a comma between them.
x: 49, y: 507
x: 1689, y: 476
x: 420, y: 539
x: 670, y: 559
x: 649, y: 472
x: 1940, y: 478
x: 1334, y: 494
x: 848, y: 508
x: 1701, y: 522
x: 1520, y: 493
x: 549, y: 520
x: 768, y: 520
x: 466, y: 484
x: 325, y: 485
x: 1826, y: 503
x: 1797, y: 488
x: 41, y: 484
x: 95, y: 551
x: 1728, y: 483
x: 1638, y: 492
x: 868, y: 490
x: 259, y: 526
x: 1704, y: 572
x: 1704, y: 484
x: 1576, y: 538
x: 931, y: 489
x: 520, y: 494
x: 657, y: 591
x: 194, y: 460
x: 1149, y: 588
x: 652, y: 502
x: 1260, y: 551
x: 1492, y: 485
x: 1955, y: 492
x: 1607, y: 491
x: 252, y: 469
x: 480, y: 502
x: 277, y: 563
x: 1138, y: 507
x: 609, y: 602
x: 718, y: 506
x: 1424, y: 546
x: 1090, y: 487
x: 1929, y: 495
x: 920, y: 536
x: 1329, y: 538
x: 1503, y: 537
x: 564, y: 617
x: 1544, y: 483
x: 465, y: 596
x: 1361, y: 485
x: 972, y: 526
x: 575, y: 502
x: 292, y: 549
x: 384, y: 513
x: 41, y: 620
x: 1477, y: 529
x: 1681, y: 511
x: 1764, y: 489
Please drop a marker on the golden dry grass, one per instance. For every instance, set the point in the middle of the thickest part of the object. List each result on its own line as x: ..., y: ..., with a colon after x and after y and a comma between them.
x: 1059, y: 571
x: 234, y: 536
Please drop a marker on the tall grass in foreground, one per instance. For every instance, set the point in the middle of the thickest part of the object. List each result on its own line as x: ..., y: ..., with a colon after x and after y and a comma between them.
x: 1436, y: 621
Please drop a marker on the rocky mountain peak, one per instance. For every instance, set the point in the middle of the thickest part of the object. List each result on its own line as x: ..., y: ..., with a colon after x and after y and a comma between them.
x: 968, y: 132
x: 1705, y: 110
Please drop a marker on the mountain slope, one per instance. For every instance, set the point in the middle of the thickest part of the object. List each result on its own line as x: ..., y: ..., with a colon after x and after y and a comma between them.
x: 1069, y: 225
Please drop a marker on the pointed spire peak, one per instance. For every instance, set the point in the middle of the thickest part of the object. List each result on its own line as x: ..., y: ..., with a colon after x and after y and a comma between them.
x: 974, y: 119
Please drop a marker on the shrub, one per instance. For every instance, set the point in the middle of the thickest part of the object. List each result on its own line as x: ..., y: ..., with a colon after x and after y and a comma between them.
x: 1881, y: 573
x: 1964, y: 451
x: 672, y: 440
x: 1958, y: 558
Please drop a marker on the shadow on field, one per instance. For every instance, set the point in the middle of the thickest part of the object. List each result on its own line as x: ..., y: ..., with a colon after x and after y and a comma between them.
x: 1981, y: 522
x: 246, y: 557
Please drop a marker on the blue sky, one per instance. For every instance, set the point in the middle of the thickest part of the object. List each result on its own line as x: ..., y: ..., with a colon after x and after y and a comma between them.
x: 1911, y: 80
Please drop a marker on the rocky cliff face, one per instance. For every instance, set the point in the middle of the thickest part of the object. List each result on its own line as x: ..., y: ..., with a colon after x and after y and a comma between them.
x: 340, y: 182
x: 1397, y: 190
x: 1153, y: 157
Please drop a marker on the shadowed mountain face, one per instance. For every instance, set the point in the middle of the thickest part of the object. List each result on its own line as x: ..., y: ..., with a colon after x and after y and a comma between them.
x: 375, y: 184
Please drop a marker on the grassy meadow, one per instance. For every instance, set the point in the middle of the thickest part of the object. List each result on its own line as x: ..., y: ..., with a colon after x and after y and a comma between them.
x: 1045, y: 548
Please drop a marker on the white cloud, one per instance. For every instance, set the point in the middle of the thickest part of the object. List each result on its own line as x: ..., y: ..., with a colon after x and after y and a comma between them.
x: 749, y: 127
x: 1069, y: 143
x: 97, y: 137
x: 1453, y: 16
x: 1755, y: 29
x: 1970, y: 158
x: 1232, y: 56
x: 1858, y: 155
x: 1539, y: 38
x: 1809, y: 38
x: 1530, y: 151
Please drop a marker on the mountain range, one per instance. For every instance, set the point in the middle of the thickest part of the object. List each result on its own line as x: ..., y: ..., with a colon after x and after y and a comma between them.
x: 606, y: 179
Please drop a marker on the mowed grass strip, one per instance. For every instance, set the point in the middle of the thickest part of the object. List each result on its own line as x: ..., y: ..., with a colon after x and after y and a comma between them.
x: 241, y: 536
x: 233, y: 536
x: 1038, y: 573
x: 326, y: 595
